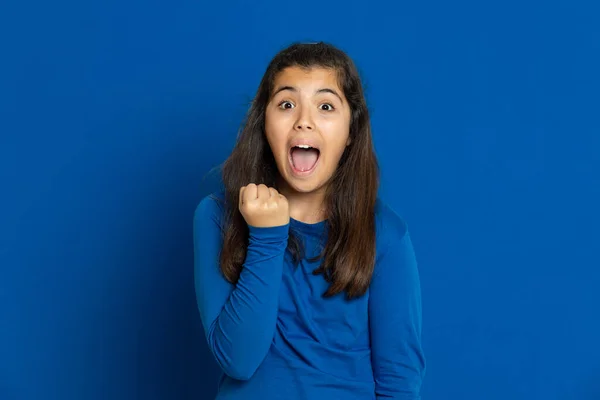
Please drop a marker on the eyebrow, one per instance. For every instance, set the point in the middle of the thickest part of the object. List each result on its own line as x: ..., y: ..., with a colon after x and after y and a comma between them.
x: 293, y: 89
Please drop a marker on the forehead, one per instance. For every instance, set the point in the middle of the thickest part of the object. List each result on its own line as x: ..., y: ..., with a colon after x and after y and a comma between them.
x: 307, y: 78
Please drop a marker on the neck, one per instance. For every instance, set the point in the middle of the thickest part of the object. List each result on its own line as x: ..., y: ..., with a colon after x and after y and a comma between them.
x: 305, y: 207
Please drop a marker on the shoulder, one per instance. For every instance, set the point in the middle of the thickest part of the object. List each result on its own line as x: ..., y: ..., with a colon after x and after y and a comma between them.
x: 389, y: 224
x: 391, y: 228
x: 210, y: 208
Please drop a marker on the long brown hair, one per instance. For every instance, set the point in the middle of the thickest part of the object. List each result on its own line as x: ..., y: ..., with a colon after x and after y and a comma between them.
x: 349, y: 254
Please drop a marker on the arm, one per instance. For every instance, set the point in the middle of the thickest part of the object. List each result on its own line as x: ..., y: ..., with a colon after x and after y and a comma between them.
x: 395, y: 320
x: 239, y: 320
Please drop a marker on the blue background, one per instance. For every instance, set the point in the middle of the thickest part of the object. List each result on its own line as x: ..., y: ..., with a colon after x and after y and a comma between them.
x: 485, y: 119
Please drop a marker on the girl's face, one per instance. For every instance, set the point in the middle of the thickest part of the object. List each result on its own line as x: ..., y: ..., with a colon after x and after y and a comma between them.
x: 307, y: 125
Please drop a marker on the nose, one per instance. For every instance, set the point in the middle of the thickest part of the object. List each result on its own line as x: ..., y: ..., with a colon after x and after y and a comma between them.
x: 303, y: 125
x: 304, y: 121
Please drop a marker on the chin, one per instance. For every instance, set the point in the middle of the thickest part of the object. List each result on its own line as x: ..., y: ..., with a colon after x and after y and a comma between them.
x: 306, y: 187
x: 303, y: 188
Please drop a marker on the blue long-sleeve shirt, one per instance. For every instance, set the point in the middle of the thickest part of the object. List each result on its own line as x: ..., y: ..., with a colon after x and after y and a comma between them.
x: 275, y: 336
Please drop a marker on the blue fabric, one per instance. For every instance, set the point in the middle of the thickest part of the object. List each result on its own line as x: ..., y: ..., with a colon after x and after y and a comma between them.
x: 275, y: 336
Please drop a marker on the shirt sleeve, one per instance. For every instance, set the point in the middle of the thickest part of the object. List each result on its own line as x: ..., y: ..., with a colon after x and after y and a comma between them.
x: 395, y: 320
x: 238, y: 320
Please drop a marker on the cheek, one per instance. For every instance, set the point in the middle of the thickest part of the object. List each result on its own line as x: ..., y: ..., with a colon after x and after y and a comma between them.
x: 338, y: 126
x: 338, y: 138
x: 275, y: 136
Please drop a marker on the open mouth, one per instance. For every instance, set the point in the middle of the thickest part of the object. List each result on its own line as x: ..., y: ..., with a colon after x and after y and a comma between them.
x: 303, y: 158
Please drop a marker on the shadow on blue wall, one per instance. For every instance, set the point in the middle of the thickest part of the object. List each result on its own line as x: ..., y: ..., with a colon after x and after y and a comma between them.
x: 103, y: 302
x: 172, y: 359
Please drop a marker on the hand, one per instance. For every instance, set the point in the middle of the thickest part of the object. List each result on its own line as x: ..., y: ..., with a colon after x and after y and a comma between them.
x: 263, y: 206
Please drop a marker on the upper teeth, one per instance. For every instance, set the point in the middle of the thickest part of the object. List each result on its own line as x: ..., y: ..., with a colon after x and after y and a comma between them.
x: 304, y: 146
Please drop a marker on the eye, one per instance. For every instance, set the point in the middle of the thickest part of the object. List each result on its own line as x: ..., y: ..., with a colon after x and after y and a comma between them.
x: 330, y: 107
x: 284, y: 105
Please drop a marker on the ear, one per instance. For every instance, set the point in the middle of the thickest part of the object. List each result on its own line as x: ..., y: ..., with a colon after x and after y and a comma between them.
x: 348, y: 141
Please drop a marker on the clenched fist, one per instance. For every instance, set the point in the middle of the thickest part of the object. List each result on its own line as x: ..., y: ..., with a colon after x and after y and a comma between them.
x: 263, y: 206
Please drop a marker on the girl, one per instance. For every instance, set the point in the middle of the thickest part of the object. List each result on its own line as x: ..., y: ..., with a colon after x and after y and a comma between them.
x: 306, y: 281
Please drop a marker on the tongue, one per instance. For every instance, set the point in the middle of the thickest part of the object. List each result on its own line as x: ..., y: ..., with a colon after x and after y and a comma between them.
x: 304, y: 160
